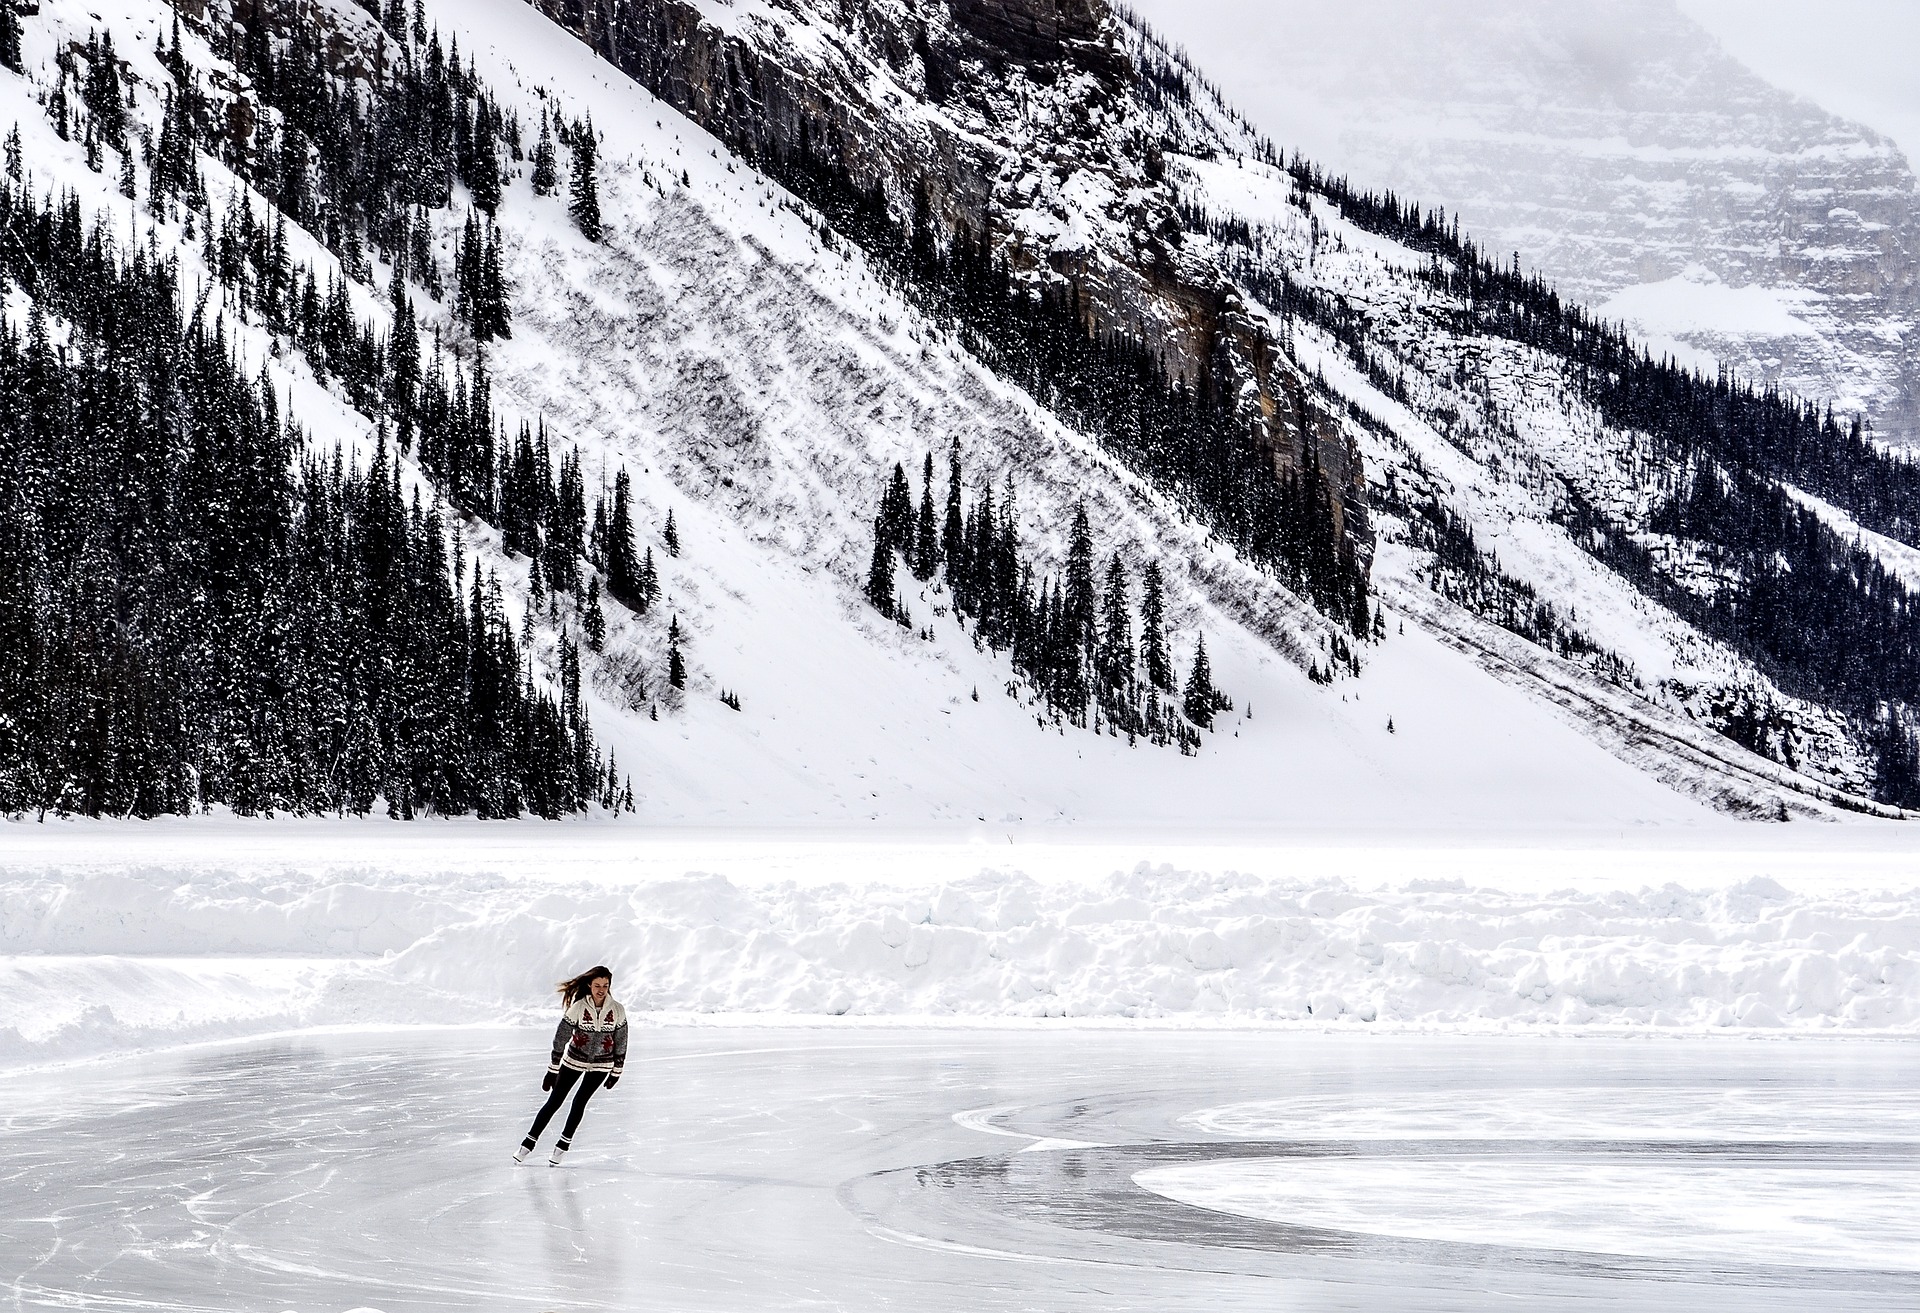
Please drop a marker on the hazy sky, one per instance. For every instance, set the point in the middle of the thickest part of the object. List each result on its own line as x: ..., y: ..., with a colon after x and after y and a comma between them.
x: 1858, y: 58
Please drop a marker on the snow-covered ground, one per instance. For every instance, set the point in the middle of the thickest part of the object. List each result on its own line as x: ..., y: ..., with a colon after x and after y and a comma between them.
x: 803, y: 1169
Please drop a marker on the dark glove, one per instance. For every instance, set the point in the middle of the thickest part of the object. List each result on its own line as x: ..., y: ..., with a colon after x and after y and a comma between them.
x: 613, y: 1080
x: 546, y: 1082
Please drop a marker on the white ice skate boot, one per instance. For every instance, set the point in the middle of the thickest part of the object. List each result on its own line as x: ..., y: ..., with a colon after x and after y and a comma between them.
x: 520, y: 1154
x: 559, y: 1152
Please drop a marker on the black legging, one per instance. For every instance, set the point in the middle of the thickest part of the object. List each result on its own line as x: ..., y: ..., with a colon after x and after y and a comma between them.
x: 561, y: 1084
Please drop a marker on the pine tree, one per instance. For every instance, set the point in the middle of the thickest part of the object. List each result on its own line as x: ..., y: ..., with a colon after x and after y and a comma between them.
x: 676, y: 664
x: 103, y: 92
x: 546, y: 177
x: 896, y: 512
x: 483, y: 175
x: 622, y: 559
x: 1081, y: 603
x: 494, y: 316
x: 12, y: 153
x: 926, y: 543
x: 10, y: 38
x: 671, y: 536
x: 597, y: 535
x: 594, y: 620
x: 468, y: 257
x: 953, y: 529
x: 1201, y: 699
x: 649, y: 581
x: 1116, y: 628
x: 880, y: 569
x: 584, y: 203
x: 1153, y: 632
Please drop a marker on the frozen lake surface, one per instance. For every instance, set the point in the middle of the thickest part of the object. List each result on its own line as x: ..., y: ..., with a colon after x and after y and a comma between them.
x: 840, y: 1168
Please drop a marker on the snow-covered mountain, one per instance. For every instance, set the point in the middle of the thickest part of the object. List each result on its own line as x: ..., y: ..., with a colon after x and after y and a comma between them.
x: 780, y: 309
x: 1625, y: 154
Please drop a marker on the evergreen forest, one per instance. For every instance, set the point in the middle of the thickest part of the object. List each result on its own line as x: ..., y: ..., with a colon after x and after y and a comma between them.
x: 198, y: 607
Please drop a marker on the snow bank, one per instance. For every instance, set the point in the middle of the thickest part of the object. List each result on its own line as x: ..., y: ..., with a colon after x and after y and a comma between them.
x: 156, y: 956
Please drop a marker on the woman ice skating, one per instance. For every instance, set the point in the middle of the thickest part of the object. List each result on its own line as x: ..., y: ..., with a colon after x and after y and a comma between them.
x: 589, y: 1049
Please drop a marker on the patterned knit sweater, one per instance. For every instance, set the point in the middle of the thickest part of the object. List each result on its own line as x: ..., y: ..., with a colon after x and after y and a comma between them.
x: 591, y: 1038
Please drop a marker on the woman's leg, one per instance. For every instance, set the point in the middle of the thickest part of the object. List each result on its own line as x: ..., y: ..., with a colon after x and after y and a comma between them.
x: 561, y: 1084
x: 594, y: 1080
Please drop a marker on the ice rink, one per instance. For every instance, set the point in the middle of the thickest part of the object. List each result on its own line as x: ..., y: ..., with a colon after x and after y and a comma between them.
x: 1011, y: 1169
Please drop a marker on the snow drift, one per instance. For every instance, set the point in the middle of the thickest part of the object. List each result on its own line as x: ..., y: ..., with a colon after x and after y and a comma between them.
x: 156, y: 956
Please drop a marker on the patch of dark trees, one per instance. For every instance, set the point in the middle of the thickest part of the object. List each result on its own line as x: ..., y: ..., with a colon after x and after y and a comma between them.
x: 1818, y: 614
x: 192, y: 615
x: 1072, y: 637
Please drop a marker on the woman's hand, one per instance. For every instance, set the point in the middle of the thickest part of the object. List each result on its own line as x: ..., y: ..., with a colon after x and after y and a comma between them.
x: 546, y: 1082
x: 613, y: 1080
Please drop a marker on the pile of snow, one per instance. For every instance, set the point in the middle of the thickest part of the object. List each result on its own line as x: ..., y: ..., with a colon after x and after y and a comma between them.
x: 155, y: 956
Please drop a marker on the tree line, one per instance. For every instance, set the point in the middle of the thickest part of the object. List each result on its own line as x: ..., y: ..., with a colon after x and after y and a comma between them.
x: 192, y: 613
x: 1073, y: 637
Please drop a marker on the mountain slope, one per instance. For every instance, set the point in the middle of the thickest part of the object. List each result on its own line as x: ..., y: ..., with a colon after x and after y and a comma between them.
x: 1293, y: 263
x: 1623, y: 153
x: 756, y: 376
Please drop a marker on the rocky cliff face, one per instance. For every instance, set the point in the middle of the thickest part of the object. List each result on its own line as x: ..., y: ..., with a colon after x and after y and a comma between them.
x: 1034, y: 31
x: 1019, y: 119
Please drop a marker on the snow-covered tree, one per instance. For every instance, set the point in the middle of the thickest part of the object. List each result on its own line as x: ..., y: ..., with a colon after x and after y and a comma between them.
x: 1153, y: 631
x: 10, y: 38
x: 1202, y: 699
x: 584, y: 203
x: 676, y: 664
x: 546, y: 173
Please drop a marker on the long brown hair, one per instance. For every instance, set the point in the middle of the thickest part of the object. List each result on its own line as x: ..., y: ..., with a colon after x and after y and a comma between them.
x: 577, y: 987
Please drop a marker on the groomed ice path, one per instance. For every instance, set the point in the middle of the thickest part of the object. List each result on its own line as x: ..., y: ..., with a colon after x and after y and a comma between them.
x: 839, y: 1168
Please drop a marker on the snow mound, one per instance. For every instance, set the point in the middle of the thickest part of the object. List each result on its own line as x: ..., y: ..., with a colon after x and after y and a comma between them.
x: 101, y: 960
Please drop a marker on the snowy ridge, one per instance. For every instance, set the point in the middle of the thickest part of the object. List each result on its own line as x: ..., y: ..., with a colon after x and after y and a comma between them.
x: 758, y: 385
x: 164, y: 955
